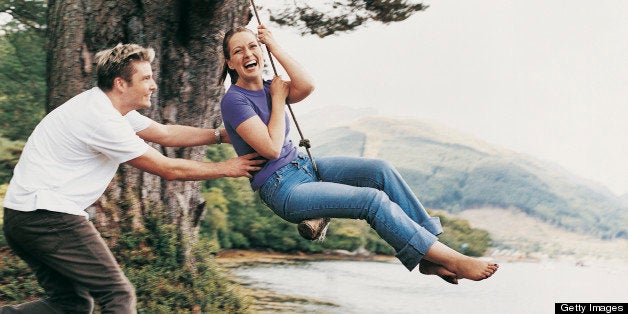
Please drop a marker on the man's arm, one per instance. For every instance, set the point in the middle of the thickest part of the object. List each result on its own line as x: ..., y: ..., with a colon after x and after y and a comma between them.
x: 181, y: 135
x: 189, y: 170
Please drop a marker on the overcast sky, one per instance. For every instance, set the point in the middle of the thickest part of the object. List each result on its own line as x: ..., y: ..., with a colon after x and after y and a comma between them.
x: 545, y: 78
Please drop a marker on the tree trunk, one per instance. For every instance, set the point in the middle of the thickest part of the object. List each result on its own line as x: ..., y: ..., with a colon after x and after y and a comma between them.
x: 186, y: 36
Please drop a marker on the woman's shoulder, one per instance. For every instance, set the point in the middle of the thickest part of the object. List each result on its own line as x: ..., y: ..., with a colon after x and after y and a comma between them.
x: 233, y: 94
x: 234, y: 104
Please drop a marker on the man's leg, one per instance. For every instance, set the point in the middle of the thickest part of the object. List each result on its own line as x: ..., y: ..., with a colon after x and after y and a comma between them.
x: 56, y: 286
x: 72, y: 262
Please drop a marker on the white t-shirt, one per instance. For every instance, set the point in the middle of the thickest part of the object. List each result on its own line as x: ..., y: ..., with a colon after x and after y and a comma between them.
x: 73, y: 154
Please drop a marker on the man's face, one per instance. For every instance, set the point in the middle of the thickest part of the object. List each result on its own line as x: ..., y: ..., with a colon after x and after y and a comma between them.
x: 137, y: 93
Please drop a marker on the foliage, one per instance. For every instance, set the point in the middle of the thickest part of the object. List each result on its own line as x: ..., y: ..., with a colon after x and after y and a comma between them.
x: 459, y: 235
x: 152, y: 263
x: 16, y: 279
x: 22, y: 82
x: 26, y: 14
x: 9, y: 154
x: 333, y: 16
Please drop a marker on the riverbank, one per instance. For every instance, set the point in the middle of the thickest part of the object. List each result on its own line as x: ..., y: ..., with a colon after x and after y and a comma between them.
x: 237, y: 258
x: 265, y: 300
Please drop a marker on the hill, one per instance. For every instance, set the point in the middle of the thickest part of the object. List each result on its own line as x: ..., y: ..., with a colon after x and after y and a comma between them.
x: 454, y: 172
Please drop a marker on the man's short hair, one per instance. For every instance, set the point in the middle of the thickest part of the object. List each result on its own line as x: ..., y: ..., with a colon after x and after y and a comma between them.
x: 117, y: 62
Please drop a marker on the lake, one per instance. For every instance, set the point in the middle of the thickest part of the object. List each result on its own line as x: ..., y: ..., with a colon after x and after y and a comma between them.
x: 387, y: 287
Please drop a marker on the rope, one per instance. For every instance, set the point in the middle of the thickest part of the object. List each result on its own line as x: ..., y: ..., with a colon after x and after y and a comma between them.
x: 304, y: 142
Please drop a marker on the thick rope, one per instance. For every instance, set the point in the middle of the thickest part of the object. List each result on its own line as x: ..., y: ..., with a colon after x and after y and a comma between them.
x: 304, y: 142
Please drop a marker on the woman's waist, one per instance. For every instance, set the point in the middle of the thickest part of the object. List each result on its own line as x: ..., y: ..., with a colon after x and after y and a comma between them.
x: 276, y: 166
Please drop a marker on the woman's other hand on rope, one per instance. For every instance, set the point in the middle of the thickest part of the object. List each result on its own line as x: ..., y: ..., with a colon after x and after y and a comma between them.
x: 265, y: 36
x: 301, y: 83
x: 279, y: 91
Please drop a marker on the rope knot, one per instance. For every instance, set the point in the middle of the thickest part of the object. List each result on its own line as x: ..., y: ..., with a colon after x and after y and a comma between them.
x: 305, y: 143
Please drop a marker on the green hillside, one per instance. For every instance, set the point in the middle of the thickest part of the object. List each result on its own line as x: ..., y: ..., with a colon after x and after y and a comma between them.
x: 454, y: 172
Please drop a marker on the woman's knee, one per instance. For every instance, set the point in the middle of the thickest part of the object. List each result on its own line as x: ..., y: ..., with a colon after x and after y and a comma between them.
x: 386, y: 167
x: 382, y: 168
x: 377, y: 201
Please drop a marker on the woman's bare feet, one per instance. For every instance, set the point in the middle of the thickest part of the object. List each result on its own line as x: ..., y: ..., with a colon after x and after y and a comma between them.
x: 473, y: 268
x: 428, y: 268
x: 462, y: 266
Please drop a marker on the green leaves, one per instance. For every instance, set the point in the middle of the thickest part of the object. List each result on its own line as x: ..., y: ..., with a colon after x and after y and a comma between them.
x: 330, y: 17
x: 25, y: 13
x: 9, y: 154
x: 22, y: 83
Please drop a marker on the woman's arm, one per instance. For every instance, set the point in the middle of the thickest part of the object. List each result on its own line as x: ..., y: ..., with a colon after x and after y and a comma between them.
x: 267, y: 140
x: 181, y: 135
x: 301, y: 83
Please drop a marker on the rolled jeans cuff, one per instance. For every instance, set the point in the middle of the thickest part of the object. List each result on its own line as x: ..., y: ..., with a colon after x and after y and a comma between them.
x: 415, y: 249
x: 434, y: 226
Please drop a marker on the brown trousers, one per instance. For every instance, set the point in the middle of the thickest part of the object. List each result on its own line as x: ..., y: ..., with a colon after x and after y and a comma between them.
x: 71, y: 262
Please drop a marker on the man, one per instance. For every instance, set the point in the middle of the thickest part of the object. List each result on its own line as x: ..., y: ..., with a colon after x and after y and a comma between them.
x: 66, y: 165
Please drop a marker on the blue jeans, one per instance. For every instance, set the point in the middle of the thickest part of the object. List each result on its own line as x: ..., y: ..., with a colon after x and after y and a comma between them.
x: 356, y: 188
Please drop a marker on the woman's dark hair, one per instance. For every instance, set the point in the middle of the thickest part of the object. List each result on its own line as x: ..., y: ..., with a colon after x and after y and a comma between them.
x: 233, y: 74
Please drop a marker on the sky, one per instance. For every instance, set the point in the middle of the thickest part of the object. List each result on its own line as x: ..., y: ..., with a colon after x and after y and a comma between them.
x: 544, y: 78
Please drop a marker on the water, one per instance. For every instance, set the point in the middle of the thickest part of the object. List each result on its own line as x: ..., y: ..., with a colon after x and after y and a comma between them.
x: 387, y: 287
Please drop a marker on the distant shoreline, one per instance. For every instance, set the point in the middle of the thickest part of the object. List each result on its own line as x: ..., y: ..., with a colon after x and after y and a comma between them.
x: 238, y: 258
x: 234, y: 258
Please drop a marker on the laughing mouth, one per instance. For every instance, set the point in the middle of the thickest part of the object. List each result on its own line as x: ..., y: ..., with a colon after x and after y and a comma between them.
x: 251, y: 64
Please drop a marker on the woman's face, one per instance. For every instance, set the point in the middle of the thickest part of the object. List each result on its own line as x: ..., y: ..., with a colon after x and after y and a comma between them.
x: 245, y: 56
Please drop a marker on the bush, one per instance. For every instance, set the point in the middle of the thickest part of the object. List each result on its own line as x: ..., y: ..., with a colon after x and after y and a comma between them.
x: 16, y: 279
x: 460, y: 236
x: 10, y: 152
x: 151, y: 262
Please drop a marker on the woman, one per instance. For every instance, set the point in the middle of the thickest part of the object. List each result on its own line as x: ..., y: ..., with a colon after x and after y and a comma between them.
x: 254, y: 114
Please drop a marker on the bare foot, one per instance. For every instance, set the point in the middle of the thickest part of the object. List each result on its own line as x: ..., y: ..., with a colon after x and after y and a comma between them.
x: 473, y: 268
x: 464, y: 267
x: 428, y: 268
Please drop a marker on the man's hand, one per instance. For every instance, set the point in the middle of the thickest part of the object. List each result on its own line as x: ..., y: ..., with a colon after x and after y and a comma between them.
x: 243, y: 165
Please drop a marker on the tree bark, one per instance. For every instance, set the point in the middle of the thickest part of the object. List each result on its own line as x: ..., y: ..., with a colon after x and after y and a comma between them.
x: 187, y: 38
